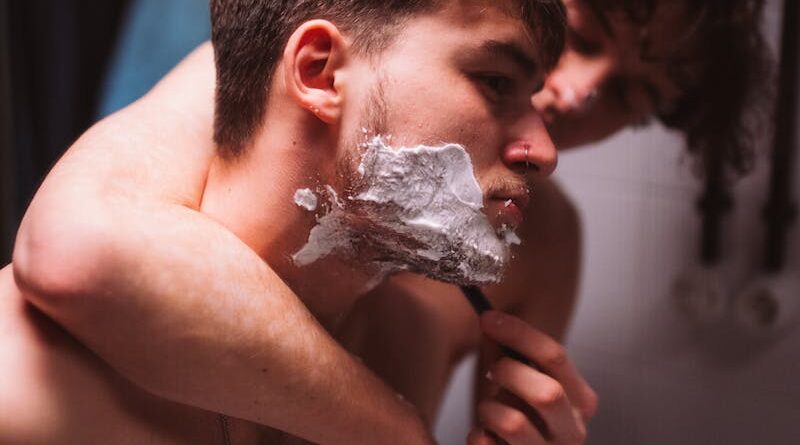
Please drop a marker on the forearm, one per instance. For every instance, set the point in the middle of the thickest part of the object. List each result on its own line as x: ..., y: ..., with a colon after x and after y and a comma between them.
x: 210, y: 325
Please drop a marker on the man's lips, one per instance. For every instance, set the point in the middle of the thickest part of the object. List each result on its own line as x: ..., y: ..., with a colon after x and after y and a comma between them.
x: 509, y: 208
x: 518, y: 198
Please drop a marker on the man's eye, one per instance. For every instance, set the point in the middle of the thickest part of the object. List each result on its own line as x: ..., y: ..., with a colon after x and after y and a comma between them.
x: 497, y: 86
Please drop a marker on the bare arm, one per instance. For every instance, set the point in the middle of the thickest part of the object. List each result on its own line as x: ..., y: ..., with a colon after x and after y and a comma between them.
x: 113, y: 249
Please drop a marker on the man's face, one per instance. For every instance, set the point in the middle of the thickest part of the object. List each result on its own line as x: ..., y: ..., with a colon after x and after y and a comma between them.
x: 464, y: 76
x: 604, y: 81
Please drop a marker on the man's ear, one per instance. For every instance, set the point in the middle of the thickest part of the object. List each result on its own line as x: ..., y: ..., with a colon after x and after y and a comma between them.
x: 313, y: 56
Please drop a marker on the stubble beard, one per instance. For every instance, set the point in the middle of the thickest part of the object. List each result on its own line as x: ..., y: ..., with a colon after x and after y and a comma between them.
x: 380, y: 237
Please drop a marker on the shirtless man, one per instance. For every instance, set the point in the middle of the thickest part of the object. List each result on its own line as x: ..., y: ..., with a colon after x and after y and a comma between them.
x: 552, y: 230
x: 211, y: 321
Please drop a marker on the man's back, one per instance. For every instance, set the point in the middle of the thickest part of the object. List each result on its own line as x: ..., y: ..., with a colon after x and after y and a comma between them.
x: 53, y: 390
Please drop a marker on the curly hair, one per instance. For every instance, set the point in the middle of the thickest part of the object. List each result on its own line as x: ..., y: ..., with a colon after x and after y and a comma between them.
x: 723, y: 75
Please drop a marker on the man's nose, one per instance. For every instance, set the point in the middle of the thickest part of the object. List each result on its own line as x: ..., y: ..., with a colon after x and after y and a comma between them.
x: 573, y: 84
x: 531, y: 150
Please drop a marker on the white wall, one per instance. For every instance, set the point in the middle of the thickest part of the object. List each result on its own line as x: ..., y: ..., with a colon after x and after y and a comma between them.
x: 662, y: 377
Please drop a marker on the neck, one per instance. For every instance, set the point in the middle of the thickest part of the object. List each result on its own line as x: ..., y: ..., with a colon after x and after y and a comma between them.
x: 253, y: 197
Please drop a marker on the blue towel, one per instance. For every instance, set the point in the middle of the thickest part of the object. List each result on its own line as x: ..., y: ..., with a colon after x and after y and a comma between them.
x: 155, y: 36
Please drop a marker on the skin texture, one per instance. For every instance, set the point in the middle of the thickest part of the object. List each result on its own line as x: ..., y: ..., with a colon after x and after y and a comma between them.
x: 133, y: 177
x: 109, y: 249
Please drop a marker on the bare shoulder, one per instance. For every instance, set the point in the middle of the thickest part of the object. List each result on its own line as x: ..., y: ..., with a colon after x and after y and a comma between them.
x: 32, y: 376
x: 24, y: 403
x: 146, y: 159
x: 158, y: 147
x: 51, y: 388
x: 552, y: 218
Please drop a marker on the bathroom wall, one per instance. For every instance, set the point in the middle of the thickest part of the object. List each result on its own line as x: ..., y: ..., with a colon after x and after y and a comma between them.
x: 666, y: 375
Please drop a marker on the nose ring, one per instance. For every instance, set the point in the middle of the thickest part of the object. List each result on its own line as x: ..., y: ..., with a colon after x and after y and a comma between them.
x: 527, y: 159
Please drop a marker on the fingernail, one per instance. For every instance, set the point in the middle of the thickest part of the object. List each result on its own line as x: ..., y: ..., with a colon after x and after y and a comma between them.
x: 488, y: 375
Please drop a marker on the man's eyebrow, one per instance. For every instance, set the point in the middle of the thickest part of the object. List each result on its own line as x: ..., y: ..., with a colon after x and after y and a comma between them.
x: 513, y: 52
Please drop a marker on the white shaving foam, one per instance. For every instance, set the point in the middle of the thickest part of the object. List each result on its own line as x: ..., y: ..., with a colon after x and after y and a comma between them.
x: 419, y: 210
x: 306, y: 199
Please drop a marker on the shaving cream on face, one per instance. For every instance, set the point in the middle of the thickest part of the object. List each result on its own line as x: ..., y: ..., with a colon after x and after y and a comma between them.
x: 417, y: 209
x: 306, y: 199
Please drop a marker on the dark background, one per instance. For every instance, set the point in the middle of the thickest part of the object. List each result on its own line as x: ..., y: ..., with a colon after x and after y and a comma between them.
x: 52, y: 60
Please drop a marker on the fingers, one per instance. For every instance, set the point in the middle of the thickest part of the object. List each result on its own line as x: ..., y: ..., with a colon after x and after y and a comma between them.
x: 516, y: 334
x: 507, y: 423
x: 479, y: 436
x: 546, y: 395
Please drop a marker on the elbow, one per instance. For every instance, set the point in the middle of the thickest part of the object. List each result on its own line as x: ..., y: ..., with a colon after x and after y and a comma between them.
x: 60, y: 260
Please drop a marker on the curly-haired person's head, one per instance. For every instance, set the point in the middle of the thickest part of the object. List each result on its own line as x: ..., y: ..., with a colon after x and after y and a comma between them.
x: 723, y: 76
x: 699, y: 66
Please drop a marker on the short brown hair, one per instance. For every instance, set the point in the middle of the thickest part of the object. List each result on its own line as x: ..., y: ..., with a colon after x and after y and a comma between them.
x: 250, y: 35
x: 724, y: 76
